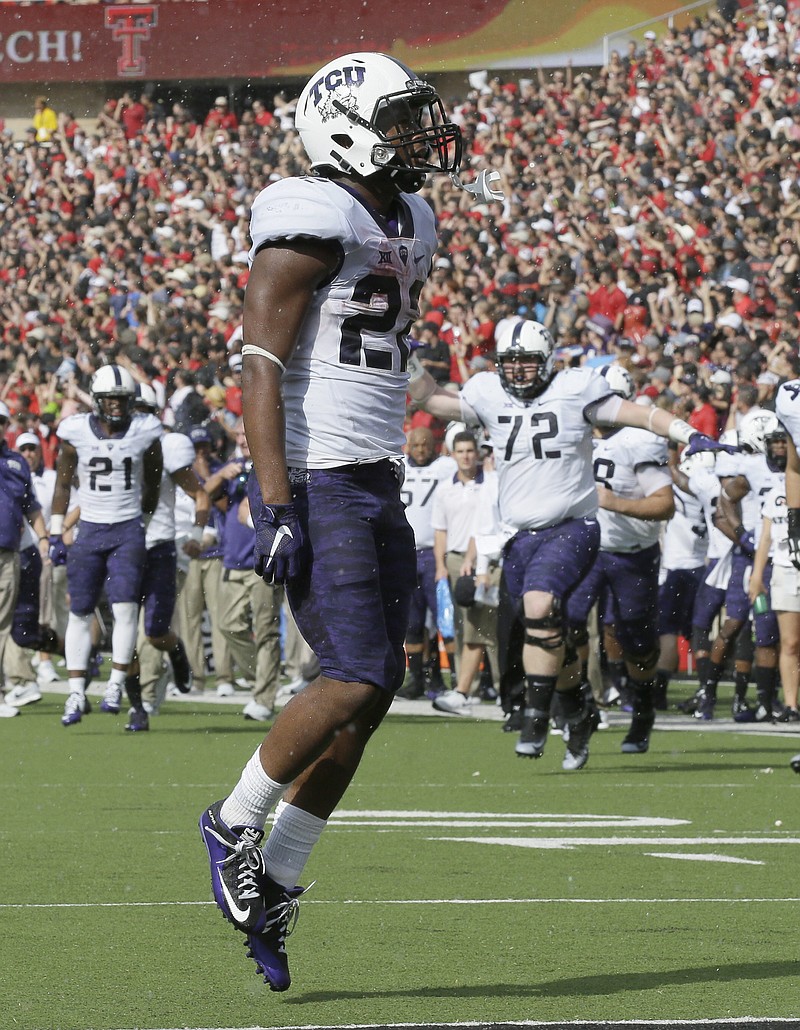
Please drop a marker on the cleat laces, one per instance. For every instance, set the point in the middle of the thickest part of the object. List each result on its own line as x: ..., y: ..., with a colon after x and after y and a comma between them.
x: 247, y: 853
x: 282, y: 917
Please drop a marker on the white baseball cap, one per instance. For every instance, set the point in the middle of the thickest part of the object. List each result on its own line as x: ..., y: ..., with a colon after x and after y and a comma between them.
x: 27, y: 440
x: 4, y: 412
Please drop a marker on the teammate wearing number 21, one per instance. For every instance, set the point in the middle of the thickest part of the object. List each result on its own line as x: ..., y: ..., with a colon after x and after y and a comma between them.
x: 117, y: 457
x: 540, y: 424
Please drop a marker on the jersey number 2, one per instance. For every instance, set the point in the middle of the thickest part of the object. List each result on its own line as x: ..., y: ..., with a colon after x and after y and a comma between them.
x: 377, y: 320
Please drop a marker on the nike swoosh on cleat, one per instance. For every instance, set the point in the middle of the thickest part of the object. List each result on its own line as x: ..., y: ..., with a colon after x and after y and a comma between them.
x: 241, y: 915
x: 283, y: 531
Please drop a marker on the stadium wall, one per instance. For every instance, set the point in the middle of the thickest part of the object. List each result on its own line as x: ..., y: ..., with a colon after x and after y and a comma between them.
x: 257, y: 39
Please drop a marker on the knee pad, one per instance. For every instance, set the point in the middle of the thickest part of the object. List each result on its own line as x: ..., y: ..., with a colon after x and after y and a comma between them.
x: 745, y: 647
x: 646, y: 662
x: 78, y: 641
x: 124, y: 631
x: 553, y: 623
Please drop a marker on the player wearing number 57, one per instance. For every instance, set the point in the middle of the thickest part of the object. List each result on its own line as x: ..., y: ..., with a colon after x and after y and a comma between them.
x: 540, y: 423
x: 116, y: 454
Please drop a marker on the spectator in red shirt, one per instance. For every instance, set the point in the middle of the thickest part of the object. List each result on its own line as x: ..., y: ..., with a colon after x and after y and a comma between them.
x: 220, y: 117
x: 606, y: 298
x: 132, y: 114
x: 261, y: 115
x: 703, y: 417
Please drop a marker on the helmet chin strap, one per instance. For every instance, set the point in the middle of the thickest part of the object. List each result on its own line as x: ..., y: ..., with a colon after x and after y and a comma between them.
x: 481, y: 189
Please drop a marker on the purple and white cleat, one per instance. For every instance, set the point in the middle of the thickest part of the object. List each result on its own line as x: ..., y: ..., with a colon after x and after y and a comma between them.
x: 76, y: 706
x: 237, y: 870
x: 268, y: 948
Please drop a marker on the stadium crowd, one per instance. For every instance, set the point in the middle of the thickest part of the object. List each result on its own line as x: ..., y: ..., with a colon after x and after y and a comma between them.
x: 650, y: 221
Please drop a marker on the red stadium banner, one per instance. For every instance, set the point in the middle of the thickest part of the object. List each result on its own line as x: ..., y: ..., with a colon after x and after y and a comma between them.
x: 261, y: 40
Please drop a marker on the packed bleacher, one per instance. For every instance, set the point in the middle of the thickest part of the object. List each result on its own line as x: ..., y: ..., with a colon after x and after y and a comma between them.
x: 650, y: 218
x: 637, y: 201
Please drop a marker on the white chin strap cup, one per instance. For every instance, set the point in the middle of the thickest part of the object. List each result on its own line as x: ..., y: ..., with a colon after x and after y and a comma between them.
x: 481, y: 189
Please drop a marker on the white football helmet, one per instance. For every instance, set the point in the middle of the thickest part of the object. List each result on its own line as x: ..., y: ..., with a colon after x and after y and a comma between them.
x: 755, y: 427
x: 450, y: 432
x: 113, y: 392
x: 698, y: 460
x: 367, y: 113
x: 146, y: 399
x: 520, y: 346
x: 760, y: 432
x: 619, y: 380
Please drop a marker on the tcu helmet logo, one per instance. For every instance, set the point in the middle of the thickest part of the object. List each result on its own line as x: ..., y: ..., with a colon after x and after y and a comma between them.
x: 131, y: 25
x: 339, y: 85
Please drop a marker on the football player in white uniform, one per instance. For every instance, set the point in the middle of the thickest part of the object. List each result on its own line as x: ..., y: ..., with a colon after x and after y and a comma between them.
x: 423, y: 472
x: 773, y: 573
x: 787, y: 410
x: 117, y: 457
x: 746, y: 478
x: 683, y: 559
x: 685, y: 548
x: 634, y: 489
x: 337, y: 264
x: 540, y: 424
x: 160, y: 579
x: 697, y: 476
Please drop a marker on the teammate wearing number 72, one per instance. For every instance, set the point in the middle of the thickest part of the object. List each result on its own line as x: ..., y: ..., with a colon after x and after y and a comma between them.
x: 540, y: 424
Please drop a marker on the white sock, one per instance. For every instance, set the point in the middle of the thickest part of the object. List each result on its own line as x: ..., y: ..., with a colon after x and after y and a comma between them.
x: 253, y: 797
x: 116, y: 678
x: 77, y: 685
x: 294, y: 833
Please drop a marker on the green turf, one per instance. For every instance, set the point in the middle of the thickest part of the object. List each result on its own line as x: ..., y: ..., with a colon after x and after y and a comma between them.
x: 96, y: 817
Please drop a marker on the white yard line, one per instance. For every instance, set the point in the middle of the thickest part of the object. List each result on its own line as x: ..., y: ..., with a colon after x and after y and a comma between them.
x: 419, y: 901
x: 589, y: 1024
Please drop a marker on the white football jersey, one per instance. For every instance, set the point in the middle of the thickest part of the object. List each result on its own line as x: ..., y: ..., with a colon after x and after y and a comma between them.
x: 685, y: 541
x: 178, y: 451
x: 760, y: 477
x: 775, y: 510
x: 633, y: 464
x: 787, y: 408
x: 417, y: 493
x: 110, y: 467
x: 706, y: 487
x: 345, y: 385
x: 542, y: 446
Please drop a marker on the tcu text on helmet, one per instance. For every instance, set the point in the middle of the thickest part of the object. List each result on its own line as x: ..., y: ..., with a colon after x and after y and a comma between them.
x: 349, y: 76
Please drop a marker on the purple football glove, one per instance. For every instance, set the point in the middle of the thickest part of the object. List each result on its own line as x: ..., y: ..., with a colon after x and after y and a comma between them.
x: 747, y: 543
x: 701, y: 442
x: 278, y: 554
x: 58, y: 550
x: 279, y: 543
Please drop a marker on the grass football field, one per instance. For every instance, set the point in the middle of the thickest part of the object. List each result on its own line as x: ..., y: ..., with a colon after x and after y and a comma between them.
x: 457, y: 884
